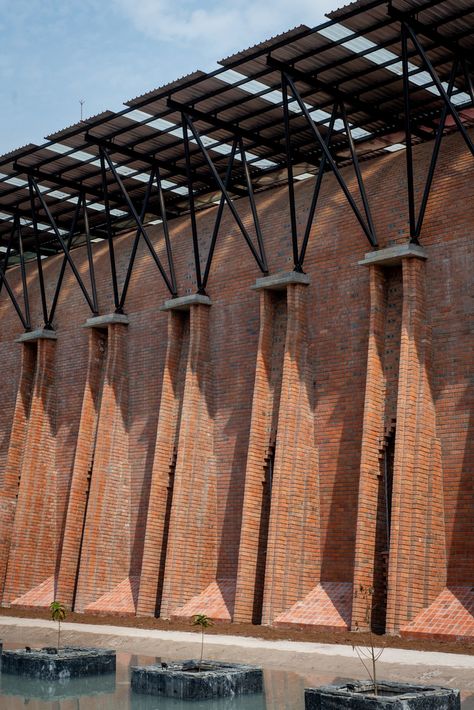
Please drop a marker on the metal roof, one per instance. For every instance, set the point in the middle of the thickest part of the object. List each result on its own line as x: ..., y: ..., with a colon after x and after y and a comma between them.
x: 354, y: 57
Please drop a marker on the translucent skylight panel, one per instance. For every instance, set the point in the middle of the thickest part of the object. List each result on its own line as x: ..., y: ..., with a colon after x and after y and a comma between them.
x: 181, y: 191
x: 394, y: 147
x: 264, y: 163
x: 100, y: 208
x: 59, y: 195
x: 318, y: 115
x: 335, y: 32
x: 461, y: 98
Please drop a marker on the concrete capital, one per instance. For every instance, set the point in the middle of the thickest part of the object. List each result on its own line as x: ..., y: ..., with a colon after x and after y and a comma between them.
x: 184, y: 303
x: 393, y: 255
x: 103, y: 321
x: 39, y: 334
x: 279, y: 282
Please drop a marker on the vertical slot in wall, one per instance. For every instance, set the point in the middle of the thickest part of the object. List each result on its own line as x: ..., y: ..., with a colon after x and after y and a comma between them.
x: 263, y: 534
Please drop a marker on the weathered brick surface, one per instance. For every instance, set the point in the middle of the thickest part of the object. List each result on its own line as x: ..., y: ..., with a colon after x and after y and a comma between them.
x: 338, y: 327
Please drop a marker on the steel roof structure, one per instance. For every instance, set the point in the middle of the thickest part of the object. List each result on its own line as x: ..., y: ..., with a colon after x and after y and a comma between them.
x: 378, y: 76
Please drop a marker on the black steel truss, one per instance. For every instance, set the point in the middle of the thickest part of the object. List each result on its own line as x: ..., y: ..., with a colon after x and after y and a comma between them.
x: 296, y: 140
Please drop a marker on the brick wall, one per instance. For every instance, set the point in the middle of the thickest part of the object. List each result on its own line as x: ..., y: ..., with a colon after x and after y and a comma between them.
x: 338, y: 327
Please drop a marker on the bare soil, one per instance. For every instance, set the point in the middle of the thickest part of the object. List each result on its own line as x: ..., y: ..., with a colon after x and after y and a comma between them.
x: 349, y: 638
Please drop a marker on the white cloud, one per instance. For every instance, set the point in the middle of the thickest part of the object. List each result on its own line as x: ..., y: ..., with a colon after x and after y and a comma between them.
x: 224, y: 26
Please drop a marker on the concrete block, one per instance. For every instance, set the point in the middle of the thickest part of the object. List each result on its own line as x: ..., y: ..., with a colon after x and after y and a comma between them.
x: 393, y: 255
x: 38, y: 334
x: 48, y: 664
x: 184, y: 303
x: 104, y: 321
x: 182, y: 680
x: 279, y: 282
x: 391, y: 696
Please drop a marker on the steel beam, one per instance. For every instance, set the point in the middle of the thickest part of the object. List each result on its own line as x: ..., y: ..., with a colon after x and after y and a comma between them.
x: 332, y: 163
x: 171, y: 288
x: 374, y: 114
x: 222, y: 188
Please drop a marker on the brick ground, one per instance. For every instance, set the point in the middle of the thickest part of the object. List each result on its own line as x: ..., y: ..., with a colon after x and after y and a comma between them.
x: 450, y: 615
x: 327, y: 606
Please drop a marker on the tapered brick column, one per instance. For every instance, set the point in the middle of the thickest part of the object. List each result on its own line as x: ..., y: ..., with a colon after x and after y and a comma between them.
x: 82, y: 469
x: 162, y: 477
x: 256, y: 510
x: 293, y: 554
x: 370, y: 482
x: 105, y: 553
x: 191, y: 557
x: 12, y: 476
x: 35, y: 535
x: 417, y: 564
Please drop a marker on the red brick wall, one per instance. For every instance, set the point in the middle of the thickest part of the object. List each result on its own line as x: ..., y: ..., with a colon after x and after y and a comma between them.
x: 337, y: 337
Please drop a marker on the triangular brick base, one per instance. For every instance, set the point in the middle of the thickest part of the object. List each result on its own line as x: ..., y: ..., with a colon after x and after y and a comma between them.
x: 122, y: 600
x: 450, y: 616
x: 40, y: 596
x: 327, y: 606
x: 216, y: 601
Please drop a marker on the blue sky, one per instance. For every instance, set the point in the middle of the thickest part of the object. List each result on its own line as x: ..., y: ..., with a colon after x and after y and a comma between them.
x: 55, y: 52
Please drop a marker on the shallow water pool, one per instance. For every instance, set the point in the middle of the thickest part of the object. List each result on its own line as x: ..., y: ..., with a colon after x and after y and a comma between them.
x: 283, y: 691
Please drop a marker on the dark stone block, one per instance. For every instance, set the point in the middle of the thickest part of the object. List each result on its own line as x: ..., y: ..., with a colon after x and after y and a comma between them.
x: 47, y: 664
x: 181, y: 680
x: 391, y: 696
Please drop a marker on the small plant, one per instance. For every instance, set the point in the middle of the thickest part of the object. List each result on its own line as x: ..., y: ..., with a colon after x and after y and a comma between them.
x: 204, y: 622
x: 369, y: 652
x: 58, y: 613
